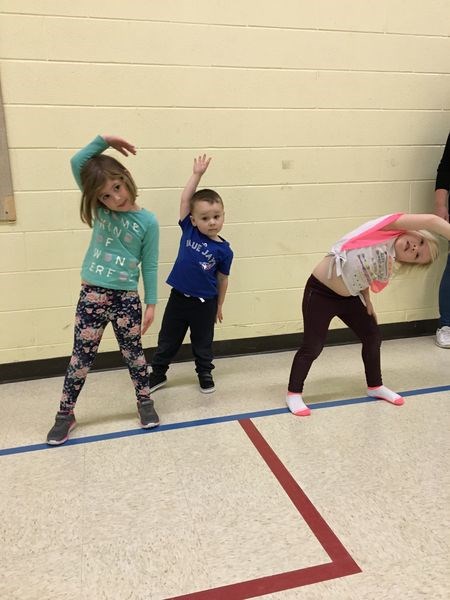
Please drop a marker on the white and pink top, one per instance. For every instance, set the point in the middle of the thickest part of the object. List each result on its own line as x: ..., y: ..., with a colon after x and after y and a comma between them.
x: 364, y: 258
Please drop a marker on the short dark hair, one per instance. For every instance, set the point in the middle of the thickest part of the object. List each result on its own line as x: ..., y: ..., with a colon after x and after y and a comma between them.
x: 205, y: 195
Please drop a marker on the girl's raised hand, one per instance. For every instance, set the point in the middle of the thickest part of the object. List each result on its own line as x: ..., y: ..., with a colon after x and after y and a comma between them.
x: 120, y: 144
x: 201, y: 164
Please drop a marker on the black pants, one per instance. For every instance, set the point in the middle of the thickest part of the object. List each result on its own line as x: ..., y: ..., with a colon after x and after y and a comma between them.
x: 183, y: 313
x: 320, y: 305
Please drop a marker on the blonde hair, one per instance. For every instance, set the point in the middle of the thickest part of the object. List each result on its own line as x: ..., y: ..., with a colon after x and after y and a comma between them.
x: 94, y: 175
x: 433, y: 245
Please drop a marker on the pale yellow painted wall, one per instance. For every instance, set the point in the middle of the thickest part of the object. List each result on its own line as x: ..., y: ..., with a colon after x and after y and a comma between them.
x: 319, y: 115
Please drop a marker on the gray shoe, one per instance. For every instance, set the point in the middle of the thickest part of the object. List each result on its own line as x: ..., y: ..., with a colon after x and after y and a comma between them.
x: 59, y: 433
x: 149, y: 416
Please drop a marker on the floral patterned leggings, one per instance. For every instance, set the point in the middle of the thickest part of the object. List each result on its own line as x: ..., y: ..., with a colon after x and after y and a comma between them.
x: 96, y: 308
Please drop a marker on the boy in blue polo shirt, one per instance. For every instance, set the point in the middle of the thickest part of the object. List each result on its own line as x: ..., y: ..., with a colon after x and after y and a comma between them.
x: 199, y: 280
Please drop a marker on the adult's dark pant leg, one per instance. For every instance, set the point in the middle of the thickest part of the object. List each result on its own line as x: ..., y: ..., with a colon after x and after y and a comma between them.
x: 174, y: 326
x: 202, y: 319
x: 444, y: 296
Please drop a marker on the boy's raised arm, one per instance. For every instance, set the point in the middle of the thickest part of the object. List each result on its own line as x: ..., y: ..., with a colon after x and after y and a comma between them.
x: 200, y: 165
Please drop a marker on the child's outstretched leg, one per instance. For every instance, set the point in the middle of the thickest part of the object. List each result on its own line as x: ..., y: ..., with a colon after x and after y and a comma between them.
x: 126, y: 321
x: 384, y: 393
x: 296, y: 405
x: 366, y: 328
x: 90, y: 322
x: 318, y: 309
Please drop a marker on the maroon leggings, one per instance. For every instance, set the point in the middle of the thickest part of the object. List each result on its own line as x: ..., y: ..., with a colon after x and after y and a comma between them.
x: 320, y: 305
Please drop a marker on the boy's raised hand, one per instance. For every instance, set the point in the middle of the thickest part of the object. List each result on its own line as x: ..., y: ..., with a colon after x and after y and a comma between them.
x: 120, y: 144
x: 201, y: 164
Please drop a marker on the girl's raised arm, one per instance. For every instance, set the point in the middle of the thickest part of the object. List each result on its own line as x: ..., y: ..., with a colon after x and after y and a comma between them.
x: 119, y: 144
x: 429, y: 222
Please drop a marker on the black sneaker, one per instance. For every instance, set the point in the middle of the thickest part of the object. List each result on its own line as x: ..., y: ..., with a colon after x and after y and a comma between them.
x: 148, y: 414
x: 59, y: 433
x: 206, y: 383
x: 156, y: 380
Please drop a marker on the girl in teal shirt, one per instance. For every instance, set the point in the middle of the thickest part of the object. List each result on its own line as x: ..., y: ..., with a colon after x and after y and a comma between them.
x: 124, y: 243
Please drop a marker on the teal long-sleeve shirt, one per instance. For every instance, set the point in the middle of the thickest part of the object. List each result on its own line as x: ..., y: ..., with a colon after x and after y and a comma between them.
x: 121, y: 242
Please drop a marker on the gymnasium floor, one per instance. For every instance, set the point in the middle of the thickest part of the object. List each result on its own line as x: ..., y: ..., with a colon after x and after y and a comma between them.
x: 232, y: 497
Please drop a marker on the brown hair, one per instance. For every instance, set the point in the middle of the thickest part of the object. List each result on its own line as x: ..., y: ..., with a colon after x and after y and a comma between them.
x: 94, y: 175
x: 206, y: 195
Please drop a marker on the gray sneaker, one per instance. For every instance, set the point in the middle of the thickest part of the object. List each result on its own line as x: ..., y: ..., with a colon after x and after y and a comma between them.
x: 149, y: 416
x: 59, y: 433
x: 443, y: 337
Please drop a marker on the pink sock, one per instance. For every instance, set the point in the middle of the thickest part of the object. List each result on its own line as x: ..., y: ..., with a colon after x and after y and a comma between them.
x: 384, y: 393
x: 296, y: 405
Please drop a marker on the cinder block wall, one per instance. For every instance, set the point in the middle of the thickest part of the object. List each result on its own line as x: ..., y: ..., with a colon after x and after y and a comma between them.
x: 319, y: 115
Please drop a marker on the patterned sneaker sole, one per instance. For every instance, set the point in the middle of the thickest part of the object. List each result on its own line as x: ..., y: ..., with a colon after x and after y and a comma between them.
x: 149, y: 425
x: 59, y: 442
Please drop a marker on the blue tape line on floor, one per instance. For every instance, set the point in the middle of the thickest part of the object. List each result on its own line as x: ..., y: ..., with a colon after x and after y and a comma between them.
x: 211, y: 421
